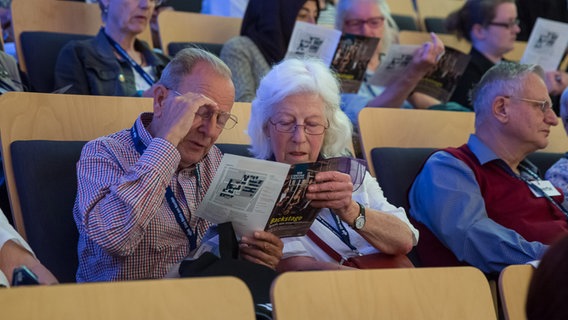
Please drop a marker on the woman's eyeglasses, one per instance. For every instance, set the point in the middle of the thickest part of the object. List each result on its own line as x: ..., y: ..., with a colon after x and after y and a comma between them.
x: 290, y: 127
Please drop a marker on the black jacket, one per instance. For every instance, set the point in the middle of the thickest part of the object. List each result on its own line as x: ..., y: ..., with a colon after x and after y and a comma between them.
x: 92, y: 67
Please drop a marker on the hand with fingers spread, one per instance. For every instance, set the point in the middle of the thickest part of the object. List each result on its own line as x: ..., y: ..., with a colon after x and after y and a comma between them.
x: 263, y: 248
x: 174, y: 115
x: 428, y: 55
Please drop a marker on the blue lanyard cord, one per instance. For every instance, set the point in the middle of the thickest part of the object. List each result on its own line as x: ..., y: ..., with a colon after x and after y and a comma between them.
x: 341, y: 232
x: 538, y: 190
x: 170, y: 196
x: 131, y: 61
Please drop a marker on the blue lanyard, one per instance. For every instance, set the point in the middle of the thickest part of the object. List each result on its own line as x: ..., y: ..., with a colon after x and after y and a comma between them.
x: 341, y: 232
x: 170, y: 197
x: 131, y: 61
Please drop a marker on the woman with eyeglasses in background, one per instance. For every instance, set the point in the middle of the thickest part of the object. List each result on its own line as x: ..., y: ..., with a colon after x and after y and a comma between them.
x: 371, y: 18
x: 115, y: 62
x: 492, y: 27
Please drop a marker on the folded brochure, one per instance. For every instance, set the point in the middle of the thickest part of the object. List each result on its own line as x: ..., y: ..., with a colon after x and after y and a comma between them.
x: 266, y: 195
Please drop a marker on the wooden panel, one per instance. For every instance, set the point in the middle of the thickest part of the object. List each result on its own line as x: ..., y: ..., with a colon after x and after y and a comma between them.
x: 178, y: 26
x: 31, y: 116
x: 408, y: 128
x: 514, y: 283
x: 175, y: 299
x: 517, y: 53
x: 238, y: 135
x: 58, y: 16
x: 402, y: 7
x: 420, y: 293
x: 438, y: 8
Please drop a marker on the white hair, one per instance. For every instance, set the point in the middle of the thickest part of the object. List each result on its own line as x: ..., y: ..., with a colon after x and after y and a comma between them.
x: 290, y: 77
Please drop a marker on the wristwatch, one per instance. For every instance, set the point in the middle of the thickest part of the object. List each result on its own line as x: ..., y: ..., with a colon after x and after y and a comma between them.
x: 359, y: 222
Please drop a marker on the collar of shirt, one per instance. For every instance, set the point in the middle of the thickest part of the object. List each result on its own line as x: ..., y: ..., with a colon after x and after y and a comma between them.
x: 484, y: 154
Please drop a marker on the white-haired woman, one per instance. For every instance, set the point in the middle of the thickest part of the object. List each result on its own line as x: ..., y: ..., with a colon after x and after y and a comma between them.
x: 295, y: 119
x: 372, y: 18
x: 114, y: 63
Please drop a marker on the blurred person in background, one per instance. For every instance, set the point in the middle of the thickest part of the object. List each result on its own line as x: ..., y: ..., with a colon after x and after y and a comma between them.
x: 115, y: 62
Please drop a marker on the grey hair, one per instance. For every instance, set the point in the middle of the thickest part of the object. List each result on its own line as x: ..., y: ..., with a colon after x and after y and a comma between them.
x: 184, y: 62
x: 504, y: 78
x: 390, y: 35
x: 290, y: 77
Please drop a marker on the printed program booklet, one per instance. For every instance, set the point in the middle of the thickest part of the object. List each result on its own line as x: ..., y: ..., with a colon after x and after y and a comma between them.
x: 347, y: 54
x: 266, y: 195
x: 546, y: 45
x: 440, y: 82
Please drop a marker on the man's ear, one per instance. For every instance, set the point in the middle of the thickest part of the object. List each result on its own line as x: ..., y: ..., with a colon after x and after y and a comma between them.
x: 478, y: 32
x: 160, y: 93
x: 500, y: 109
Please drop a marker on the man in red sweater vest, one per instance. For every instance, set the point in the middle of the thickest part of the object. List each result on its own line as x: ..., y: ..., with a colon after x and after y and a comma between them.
x: 484, y: 201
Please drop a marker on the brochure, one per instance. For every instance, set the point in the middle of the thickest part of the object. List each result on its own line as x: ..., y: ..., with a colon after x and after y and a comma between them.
x: 351, y: 59
x: 348, y: 55
x: 547, y: 43
x: 440, y: 82
x: 265, y: 195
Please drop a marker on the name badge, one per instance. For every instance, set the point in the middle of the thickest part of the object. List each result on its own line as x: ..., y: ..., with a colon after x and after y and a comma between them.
x: 543, y: 186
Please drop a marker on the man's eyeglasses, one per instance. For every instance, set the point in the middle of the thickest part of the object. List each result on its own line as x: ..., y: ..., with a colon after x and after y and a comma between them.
x: 156, y: 2
x: 541, y: 104
x: 290, y: 127
x: 506, y: 25
x: 225, y: 120
x: 373, y: 22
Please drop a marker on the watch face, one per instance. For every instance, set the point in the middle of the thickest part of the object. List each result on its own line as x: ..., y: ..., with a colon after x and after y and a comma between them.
x: 359, y: 222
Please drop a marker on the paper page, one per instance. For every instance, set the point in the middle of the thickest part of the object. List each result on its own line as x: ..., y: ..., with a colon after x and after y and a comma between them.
x: 243, y: 191
x: 313, y: 41
x: 547, y: 43
x: 393, y: 66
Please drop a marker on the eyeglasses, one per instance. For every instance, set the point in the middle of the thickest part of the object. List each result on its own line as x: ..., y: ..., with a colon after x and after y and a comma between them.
x: 506, y: 25
x: 374, y: 22
x: 543, y: 105
x: 156, y: 2
x: 225, y: 120
x: 290, y: 127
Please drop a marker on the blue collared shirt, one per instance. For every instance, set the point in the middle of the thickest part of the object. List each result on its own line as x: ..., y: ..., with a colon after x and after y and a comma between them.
x: 447, y: 199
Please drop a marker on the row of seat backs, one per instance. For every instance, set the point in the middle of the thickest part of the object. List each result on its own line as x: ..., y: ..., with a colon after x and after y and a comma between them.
x: 40, y: 50
x: 428, y: 293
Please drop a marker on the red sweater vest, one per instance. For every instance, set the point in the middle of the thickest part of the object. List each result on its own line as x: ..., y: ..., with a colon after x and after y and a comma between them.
x: 510, y: 202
